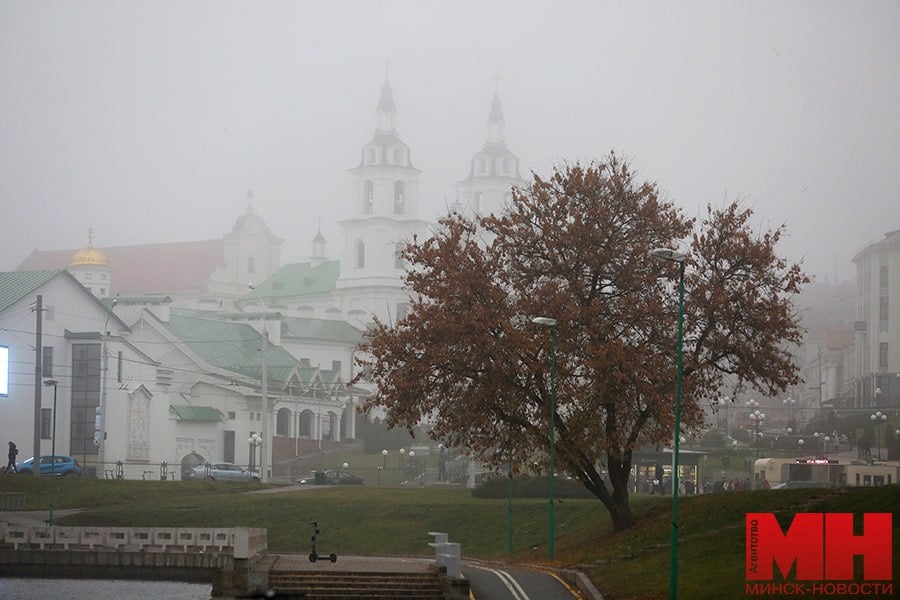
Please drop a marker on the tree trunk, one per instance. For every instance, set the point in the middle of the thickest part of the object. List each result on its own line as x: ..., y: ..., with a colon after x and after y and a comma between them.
x: 616, y: 502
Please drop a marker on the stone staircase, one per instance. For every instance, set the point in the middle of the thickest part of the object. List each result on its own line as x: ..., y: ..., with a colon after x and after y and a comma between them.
x: 336, y: 585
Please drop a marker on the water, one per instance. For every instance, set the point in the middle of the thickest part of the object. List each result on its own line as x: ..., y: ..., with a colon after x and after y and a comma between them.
x: 91, y: 589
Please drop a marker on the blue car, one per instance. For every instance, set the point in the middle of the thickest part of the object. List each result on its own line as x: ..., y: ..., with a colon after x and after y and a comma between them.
x: 60, y: 466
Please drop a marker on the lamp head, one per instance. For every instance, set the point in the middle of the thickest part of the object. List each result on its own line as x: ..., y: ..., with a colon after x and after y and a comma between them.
x: 49, y: 382
x: 544, y: 321
x: 668, y: 254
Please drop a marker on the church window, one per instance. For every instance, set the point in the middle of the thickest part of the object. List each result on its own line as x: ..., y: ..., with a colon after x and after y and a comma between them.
x: 370, y: 156
x: 883, y: 276
x: 368, y: 197
x: 251, y: 265
x: 399, y: 197
x: 481, y: 166
x: 88, y: 276
x: 360, y: 255
x: 102, y: 276
x: 398, y: 156
x: 282, y: 419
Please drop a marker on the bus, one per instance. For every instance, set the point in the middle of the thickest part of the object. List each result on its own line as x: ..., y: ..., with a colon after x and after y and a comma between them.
x: 824, y: 472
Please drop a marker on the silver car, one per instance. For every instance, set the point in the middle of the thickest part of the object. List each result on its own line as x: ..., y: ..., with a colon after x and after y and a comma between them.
x: 220, y: 471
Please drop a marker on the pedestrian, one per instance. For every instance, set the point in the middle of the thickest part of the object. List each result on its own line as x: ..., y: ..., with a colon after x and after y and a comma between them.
x: 11, y: 465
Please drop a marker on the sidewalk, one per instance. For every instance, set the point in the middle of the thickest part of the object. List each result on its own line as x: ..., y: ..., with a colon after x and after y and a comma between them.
x: 358, y: 564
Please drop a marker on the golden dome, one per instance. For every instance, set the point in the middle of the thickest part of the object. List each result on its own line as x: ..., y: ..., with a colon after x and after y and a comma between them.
x: 90, y: 256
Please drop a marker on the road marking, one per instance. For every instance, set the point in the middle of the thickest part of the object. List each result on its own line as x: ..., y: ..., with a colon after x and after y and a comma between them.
x: 508, y: 580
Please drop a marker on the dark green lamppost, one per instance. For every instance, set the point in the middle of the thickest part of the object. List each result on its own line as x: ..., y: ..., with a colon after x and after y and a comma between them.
x: 551, y: 323
x: 54, y: 383
x: 680, y: 258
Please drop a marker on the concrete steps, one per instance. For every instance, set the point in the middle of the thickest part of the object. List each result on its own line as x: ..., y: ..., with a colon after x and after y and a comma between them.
x: 357, y: 585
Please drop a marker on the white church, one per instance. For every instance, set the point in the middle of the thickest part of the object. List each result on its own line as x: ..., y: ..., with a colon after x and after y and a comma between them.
x: 179, y: 353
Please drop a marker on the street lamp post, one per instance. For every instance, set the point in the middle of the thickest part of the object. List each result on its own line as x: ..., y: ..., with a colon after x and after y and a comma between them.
x: 877, y: 417
x: 680, y: 258
x: 37, y: 459
x: 552, y: 324
x: 254, y: 441
x: 756, y: 419
x: 789, y: 402
x: 800, y: 445
x: 264, y: 399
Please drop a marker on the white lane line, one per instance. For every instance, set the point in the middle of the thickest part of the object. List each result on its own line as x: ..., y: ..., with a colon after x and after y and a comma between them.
x: 509, y: 581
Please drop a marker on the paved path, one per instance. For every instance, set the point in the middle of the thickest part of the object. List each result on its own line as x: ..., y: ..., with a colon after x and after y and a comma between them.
x: 368, y: 564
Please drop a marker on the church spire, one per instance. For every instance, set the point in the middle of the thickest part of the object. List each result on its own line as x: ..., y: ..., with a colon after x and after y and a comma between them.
x: 387, y: 110
x: 495, y: 122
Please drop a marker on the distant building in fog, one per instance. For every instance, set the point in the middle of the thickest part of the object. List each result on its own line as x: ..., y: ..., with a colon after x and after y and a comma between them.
x: 877, y: 377
x: 172, y: 373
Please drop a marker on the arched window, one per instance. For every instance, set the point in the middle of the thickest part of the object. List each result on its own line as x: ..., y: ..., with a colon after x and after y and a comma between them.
x: 368, y: 197
x: 282, y: 422
x: 360, y: 255
x: 370, y: 156
x: 399, y: 197
x: 306, y: 419
x: 398, y: 156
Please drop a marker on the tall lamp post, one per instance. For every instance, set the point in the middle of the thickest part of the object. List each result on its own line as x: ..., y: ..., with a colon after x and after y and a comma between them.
x: 789, y: 402
x: 255, y: 441
x: 552, y: 324
x: 756, y: 419
x: 266, y: 448
x: 680, y: 258
x: 54, y: 383
x: 878, y: 417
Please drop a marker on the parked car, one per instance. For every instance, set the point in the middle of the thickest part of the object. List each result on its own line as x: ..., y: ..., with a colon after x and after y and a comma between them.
x: 220, y: 471
x: 333, y: 477
x: 60, y: 466
x: 793, y: 485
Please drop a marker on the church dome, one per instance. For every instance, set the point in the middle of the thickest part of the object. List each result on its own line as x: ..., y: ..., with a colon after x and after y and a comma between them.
x: 89, y: 257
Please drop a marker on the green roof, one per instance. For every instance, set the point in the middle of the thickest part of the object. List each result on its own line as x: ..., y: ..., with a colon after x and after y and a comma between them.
x: 15, y: 285
x: 322, y: 329
x: 297, y: 280
x: 196, y: 413
x: 228, y: 345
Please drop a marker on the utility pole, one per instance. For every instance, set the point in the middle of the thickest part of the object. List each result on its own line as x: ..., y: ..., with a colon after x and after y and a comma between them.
x: 38, y: 384
x: 266, y: 450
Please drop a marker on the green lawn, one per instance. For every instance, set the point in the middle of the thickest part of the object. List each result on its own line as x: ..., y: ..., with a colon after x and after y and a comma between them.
x: 395, y: 521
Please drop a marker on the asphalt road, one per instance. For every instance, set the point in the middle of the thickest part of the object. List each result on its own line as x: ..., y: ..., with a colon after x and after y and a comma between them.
x: 515, y: 583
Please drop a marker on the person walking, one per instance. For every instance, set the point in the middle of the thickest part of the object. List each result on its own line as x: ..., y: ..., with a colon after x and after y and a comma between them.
x: 11, y: 465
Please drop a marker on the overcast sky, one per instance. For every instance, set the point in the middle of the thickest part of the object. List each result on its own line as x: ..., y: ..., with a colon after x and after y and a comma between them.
x: 150, y: 120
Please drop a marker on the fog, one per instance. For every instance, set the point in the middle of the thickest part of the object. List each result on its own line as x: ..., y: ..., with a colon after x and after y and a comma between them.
x: 149, y: 121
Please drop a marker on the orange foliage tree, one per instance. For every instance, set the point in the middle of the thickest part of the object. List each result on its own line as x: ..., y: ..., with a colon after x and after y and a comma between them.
x: 468, y: 360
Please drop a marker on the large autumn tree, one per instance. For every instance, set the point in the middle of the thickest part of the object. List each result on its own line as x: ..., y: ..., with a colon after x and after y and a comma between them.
x: 468, y: 359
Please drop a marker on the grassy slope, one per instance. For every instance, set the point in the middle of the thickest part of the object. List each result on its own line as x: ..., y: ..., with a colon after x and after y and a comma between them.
x: 395, y: 521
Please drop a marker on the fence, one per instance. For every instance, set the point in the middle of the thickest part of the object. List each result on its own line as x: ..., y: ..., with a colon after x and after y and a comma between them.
x: 241, y: 542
